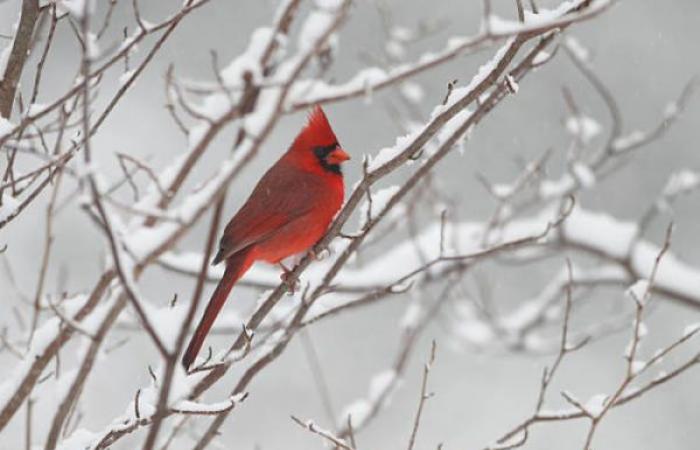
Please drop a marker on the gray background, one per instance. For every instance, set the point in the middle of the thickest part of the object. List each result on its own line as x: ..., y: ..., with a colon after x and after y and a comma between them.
x: 645, y: 50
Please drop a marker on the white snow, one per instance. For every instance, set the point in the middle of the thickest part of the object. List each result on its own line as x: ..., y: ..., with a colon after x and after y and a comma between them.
x: 481, y: 74
x: 643, y: 330
x: 5, y: 127
x: 380, y: 384
x: 152, y: 196
x: 80, y: 438
x: 36, y: 109
x: 628, y: 141
x: 312, y: 90
x: 583, y: 127
x: 367, y: 79
x: 412, y: 91
x: 249, y: 60
x: 92, y: 322
x: 557, y: 188
x: 661, y: 375
x: 682, y: 182
x: 128, y: 42
x: 673, y: 274
x: 600, y: 230
x: 475, y: 332
x: 596, y: 404
x: 214, y: 105
x: 77, y: 8
x: 196, y: 134
x: 412, y: 315
x: 358, y: 411
x: 671, y: 111
x: 691, y: 329
x: 395, y: 49
x: 388, y: 153
x: 512, y: 84
x: 584, y: 175
x: 92, y: 46
x: 580, y: 173
x: 637, y: 366
x: 541, y: 58
x: 4, y: 57
x: 502, y: 190
x: 382, y: 157
x: 9, y: 205
x: 402, y: 34
x: 468, y: 325
x: 166, y: 321
x: 394, y: 263
x: 328, y: 4
x: 498, y: 26
x: 531, y: 309
x: 638, y: 290
x: 592, y: 229
x: 189, y: 406
x: 447, y: 132
x: 43, y: 337
x: 315, y: 26
x: 381, y: 387
x: 380, y: 198
x: 126, y: 76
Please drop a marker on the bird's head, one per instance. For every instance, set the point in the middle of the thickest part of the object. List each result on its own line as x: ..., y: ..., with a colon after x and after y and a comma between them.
x: 316, y: 146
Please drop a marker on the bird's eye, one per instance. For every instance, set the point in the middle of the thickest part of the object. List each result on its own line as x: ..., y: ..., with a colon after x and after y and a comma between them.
x: 323, y: 152
x: 324, y: 155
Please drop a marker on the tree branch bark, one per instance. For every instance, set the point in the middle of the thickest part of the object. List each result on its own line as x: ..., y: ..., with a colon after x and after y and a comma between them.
x: 18, y: 56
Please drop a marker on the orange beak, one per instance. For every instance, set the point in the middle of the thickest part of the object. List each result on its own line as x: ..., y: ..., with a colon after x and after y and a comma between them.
x: 337, y: 156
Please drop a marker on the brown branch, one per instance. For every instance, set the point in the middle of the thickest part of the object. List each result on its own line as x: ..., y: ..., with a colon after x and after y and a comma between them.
x: 48, y: 241
x: 424, y: 395
x: 86, y: 365
x: 115, y: 247
x: 522, y: 430
x: 29, y: 119
x: 173, y: 359
x: 44, y: 54
x: 28, y: 424
x: 631, y: 371
x: 18, y: 56
x: 330, y: 275
x: 325, y: 434
x: 438, y: 121
x: 77, y: 89
x: 248, y: 99
x: 317, y: 373
x: 42, y: 359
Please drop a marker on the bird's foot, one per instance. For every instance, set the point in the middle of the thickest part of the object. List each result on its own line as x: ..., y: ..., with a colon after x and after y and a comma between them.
x: 289, y: 281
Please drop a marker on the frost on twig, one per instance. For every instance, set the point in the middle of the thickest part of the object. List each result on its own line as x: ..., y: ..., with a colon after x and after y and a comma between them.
x: 413, y: 237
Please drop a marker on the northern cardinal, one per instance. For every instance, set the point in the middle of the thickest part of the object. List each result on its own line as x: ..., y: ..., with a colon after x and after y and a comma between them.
x: 289, y: 210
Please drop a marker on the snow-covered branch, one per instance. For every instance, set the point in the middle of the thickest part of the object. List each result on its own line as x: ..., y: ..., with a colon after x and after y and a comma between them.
x: 413, y: 239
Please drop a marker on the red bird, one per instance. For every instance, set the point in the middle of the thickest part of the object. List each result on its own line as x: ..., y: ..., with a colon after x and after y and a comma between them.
x: 289, y: 210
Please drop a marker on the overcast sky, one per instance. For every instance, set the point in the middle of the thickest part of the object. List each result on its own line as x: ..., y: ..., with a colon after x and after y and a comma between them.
x: 645, y: 50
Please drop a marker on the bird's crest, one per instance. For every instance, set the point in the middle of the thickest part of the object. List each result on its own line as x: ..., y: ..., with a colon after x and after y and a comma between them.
x: 318, y: 131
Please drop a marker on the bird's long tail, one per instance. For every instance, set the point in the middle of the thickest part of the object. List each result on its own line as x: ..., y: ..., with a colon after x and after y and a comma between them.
x: 236, y: 266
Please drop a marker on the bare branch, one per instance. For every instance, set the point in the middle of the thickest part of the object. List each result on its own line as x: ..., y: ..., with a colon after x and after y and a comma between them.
x: 18, y: 56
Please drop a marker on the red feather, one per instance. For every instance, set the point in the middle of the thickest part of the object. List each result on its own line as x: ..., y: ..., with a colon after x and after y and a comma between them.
x: 288, y: 211
x: 236, y: 266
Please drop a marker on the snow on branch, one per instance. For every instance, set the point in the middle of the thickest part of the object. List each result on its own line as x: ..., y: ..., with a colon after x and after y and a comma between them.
x: 412, y: 242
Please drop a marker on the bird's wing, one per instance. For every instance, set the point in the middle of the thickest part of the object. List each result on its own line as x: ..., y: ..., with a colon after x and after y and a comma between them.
x: 282, y: 195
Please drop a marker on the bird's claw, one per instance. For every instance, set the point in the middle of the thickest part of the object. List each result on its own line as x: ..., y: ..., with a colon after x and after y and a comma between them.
x: 289, y: 281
